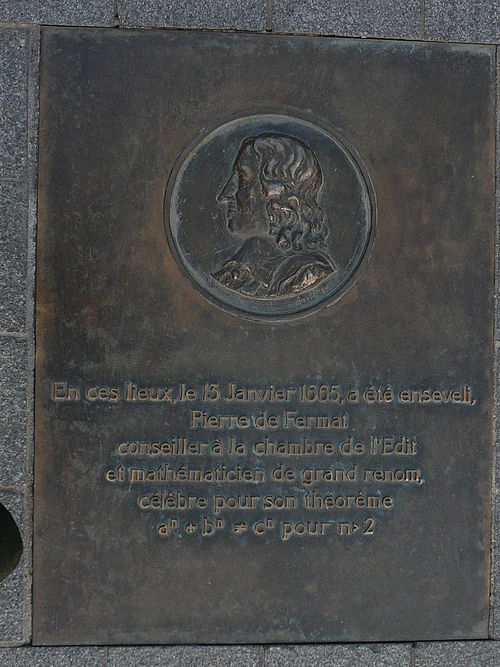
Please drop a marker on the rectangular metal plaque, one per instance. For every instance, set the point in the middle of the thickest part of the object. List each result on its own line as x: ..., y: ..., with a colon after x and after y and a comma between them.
x: 264, y: 339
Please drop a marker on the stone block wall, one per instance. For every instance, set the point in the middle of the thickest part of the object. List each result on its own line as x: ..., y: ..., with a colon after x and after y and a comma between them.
x: 21, y: 25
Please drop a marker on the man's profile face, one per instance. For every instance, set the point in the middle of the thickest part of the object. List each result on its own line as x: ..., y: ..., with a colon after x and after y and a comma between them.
x: 243, y: 199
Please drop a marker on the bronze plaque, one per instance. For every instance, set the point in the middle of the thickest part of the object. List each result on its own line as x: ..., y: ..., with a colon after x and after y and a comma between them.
x: 264, y: 339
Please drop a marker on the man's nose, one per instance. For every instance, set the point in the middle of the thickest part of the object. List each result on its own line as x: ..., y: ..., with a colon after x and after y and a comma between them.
x: 227, y: 192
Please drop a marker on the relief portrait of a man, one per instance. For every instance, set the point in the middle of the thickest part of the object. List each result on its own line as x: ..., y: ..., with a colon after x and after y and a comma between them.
x: 271, y: 203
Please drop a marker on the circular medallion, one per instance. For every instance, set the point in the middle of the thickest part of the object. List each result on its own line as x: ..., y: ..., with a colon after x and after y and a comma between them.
x: 270, y: 215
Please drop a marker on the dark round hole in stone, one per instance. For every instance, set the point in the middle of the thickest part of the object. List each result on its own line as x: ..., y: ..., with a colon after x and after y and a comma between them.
x: 11, y: 544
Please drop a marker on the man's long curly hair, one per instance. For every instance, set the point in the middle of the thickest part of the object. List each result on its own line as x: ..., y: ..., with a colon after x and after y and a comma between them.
x: 291, y: 178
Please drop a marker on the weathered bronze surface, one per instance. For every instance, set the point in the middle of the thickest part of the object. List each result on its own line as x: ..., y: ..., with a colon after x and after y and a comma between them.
x: 298, y: 215
x: 264, y: 339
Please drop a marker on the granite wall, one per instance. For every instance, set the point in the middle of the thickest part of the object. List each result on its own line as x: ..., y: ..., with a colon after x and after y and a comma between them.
x: 21, y: 27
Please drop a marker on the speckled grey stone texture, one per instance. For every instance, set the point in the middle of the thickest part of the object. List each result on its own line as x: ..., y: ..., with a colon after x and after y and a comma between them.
x: 13, y: 251
x: 13, y: 374
x: 459, y: 654
x: 339, y: 655
x: 54, y: 656
x: 495, y: 502
x: 58, y: 12
x: 237, y: 14
x: 463, y: 20
x: 497, y: 235
x: 185, y: 656
x: 364, y: 18
x: 14, y: 56
x: 12, y: 589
